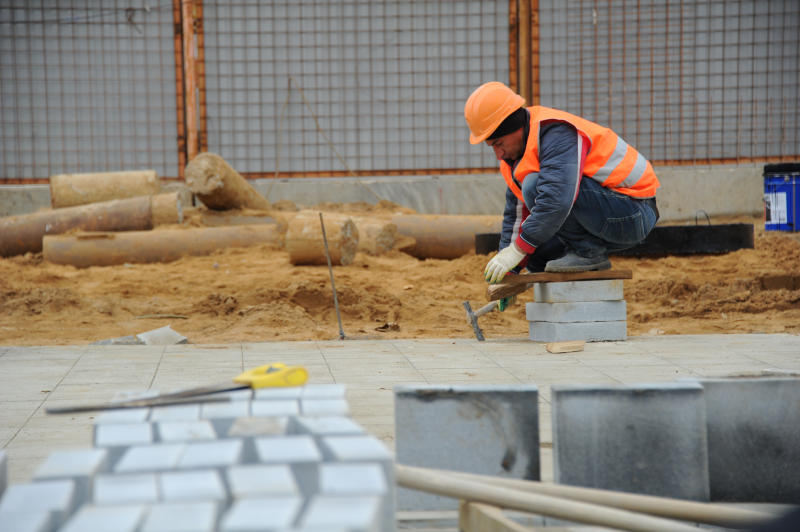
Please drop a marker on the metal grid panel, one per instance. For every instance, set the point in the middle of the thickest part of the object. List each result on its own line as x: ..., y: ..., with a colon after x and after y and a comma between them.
x: 86, y: 86
x: 683, y: 80
x: 360, y: 86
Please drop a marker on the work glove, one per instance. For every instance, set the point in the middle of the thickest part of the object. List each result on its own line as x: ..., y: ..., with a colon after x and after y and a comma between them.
x: 502, y: 263
x: 505, y: 302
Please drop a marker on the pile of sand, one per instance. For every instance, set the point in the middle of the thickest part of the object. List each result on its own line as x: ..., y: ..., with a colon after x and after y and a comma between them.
x: 255, y: 294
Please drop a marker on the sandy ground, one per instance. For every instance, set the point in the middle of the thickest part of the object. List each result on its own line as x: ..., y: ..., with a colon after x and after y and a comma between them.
x: 255, y: 294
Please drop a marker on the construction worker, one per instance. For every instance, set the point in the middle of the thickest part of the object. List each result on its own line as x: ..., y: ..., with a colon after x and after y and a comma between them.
x: 576, y: 190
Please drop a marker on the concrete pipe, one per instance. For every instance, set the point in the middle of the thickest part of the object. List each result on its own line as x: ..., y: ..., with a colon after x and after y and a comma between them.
x: 376, y: 236
x: 305, y: 244
x: 68, y: 190
x: 444, y: 236
x: 23, y: 233
x: 219, y: 186
x: 163, y: 245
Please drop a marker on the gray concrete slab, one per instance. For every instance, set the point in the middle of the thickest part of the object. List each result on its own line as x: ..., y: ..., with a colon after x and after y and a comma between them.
x: 32, y: 378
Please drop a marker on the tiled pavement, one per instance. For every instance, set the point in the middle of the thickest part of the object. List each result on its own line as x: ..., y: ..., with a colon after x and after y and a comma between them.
x: 34, y: 377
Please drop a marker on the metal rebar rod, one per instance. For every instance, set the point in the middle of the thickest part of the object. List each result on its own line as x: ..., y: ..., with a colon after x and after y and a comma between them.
x: 333, y: 284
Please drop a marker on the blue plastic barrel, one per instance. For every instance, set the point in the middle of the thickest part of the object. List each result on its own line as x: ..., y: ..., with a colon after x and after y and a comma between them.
x: 782, y: 197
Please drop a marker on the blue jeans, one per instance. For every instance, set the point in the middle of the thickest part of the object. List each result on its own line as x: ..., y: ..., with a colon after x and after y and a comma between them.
x: 601, y: 220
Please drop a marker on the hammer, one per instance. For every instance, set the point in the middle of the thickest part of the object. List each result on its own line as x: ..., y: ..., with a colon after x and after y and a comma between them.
x: 472, y: 317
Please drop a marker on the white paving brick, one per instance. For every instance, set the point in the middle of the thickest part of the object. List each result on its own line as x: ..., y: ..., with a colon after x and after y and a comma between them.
x: 122, y: 415
x: 181, y: 517
x: 116, y: 518
x: 261, y: 481
x: 324, y: 407
x: 327, y: 425
x: 56, y: 496
x: 277, y: 407
x: 192, y: 486
x: 255, y: 515
x: 337, y: 511
x: 125, y: 489
x: 182, y: 431
x: 352, y: 479
x: 219, y: 453
x: 189, y: 412
x: 26, y: 521
x: 149, y: 458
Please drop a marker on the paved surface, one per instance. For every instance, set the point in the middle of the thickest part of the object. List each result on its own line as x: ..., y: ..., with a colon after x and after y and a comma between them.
x: 34, y: 377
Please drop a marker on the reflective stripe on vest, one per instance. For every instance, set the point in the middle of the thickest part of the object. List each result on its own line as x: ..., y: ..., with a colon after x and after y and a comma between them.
x: 610, y: 161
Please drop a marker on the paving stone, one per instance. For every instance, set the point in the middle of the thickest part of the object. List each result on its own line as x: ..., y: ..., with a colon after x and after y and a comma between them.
x: 753, y: 439
x: 300, y: 452
x: 189, y: 412
x: 122, y: 415
x: 149, y: 458
x: 26, y: 521
x: 326, y: 511
x: 600, y: 331
x: 184, y: 431
x: 192, y: 486
x: 606, y: 290
x: 590, y: 311
x: 276, y: 407
x: 483, y: 429
x: 258, y: 514
x: 117, y: 437
x: 115, y: 518
x: 324, y: 391
x: 258, y: 426
x: 352, y: 479
x: 220, y: 453
x: 3, y: 472
x: 646, y: 438
x: 125, y: 489
x: 272, y: 394
x: 249, y: 481
x: 237, y: 395
x: 326, y: 425
x: 54, y: 496
x: 223, y: 414
x: 80, y: 466
x: 324, y: 407
x: 181, y: 517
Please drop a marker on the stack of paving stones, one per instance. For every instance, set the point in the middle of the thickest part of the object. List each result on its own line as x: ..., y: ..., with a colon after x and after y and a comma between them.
x: 276, y: 459
x: 577, y: 310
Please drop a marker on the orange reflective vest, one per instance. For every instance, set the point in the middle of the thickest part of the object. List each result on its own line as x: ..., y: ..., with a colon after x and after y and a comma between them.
x: 610, y: 160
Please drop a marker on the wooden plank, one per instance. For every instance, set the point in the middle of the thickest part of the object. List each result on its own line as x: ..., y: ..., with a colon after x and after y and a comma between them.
x: 516, y: 284
x: 477, y: 517
x: 570, y: 346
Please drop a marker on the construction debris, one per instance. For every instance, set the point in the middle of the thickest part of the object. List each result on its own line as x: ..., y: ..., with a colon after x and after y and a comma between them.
x: 106, y: 249
x: 23, y: 233
x: 305, y: 244
x: 219, y: 186
x: 68, y: 190
x: 569, y: 346
x: 161, y: 336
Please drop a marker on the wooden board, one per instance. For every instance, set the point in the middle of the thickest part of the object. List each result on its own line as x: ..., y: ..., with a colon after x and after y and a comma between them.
x: 477, y: 517
x: 516, y: 284
x: 569, y: 346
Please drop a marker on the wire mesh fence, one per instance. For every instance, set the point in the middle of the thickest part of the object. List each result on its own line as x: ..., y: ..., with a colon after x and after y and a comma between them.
x: 325, y: 87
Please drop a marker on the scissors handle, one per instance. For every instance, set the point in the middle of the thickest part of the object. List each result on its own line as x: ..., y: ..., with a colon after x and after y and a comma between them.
x: 273, y: 375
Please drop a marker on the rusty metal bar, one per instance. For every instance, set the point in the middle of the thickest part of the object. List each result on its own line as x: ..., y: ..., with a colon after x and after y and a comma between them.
x: 190, y: 79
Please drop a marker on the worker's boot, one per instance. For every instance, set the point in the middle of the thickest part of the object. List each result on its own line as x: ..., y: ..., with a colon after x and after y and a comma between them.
x: 572, y: 262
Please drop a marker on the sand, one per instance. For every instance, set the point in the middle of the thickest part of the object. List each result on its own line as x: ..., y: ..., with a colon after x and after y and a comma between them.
x: 255, y: 295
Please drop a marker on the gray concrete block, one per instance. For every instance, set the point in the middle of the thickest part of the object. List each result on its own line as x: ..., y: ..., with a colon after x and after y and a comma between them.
x: 125, y: 489
x: 149, y: 458
x: 324, y: 407
x: 753, y: 439
x: 181, y: 517
x: 122, y: 415
x: 184, y: 431
x: 255, y: 515
x: 275, y: 407
x: 54, y: 496
x: 489, y: 430
x: 3, y: 472
x: 330, y: 511
x: 607, y: 290
x: 192, y: 486
x: 114, y: 518
x: 220, y: 453
x: 352, y: 479
x: 326, y: 426
x: 117, y: 437
x: 647, y: 438
x: 189, y: 412
x: 364, y: 448
x: 223, y: 414
x: 300, y: 452
x: 598, y: 331
x: 162, y: 336
x: 324, y: 391
x: 26, y: 521
x: 249, y: 481
x: 80, y: 466
x: 591, y: 311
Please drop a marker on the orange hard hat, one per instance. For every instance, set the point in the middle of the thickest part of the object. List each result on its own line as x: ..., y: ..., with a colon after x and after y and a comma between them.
x: 487, y: 107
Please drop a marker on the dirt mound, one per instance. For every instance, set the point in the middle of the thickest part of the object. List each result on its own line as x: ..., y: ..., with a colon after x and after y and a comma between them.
x: 255, y: 294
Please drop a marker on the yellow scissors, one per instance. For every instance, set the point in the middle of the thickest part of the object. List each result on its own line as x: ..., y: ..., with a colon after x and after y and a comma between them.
x: 267, y: 376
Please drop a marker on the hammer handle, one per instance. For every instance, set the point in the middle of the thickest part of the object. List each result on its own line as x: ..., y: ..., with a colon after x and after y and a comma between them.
x: 488, y: 307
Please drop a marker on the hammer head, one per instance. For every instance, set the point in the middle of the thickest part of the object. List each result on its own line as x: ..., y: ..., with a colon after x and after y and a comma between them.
x: 472, y: 319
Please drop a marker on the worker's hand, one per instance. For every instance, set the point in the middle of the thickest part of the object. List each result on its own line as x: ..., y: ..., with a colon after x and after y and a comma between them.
x: 502, y: 263
x: 505, y: 302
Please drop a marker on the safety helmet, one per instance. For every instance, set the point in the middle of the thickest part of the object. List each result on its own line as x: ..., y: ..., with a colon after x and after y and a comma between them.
x: 487, y: 107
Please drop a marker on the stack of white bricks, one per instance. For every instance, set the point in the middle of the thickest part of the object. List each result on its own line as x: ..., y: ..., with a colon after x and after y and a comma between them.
x: 285, y: 459
x: 577, y: 310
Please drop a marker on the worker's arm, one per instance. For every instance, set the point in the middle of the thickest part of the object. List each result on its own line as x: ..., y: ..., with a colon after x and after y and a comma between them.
x: 561, y: 155
x: 514, y: 214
